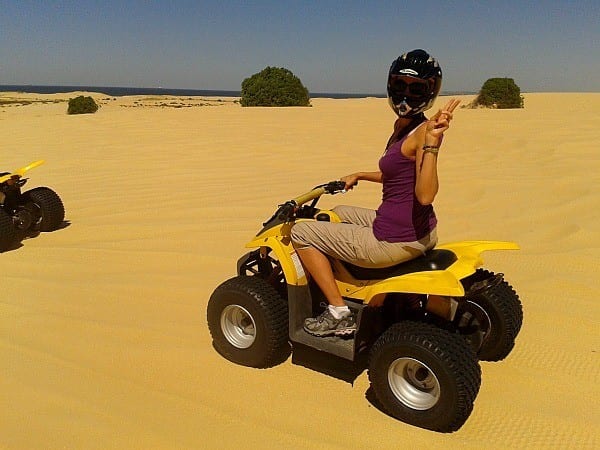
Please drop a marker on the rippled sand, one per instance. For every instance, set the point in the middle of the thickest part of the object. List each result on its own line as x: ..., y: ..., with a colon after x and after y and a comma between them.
x: 103, y: 335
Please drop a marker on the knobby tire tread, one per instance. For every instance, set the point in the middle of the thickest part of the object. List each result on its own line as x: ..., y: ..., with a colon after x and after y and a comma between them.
x: 273, y: 308
x: 452, y: 349
x: 51, y: 204
x: 509, y: 307
x: 8, y: 233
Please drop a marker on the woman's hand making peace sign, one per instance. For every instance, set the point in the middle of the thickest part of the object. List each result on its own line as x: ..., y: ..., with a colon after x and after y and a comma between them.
x: 439, y: 123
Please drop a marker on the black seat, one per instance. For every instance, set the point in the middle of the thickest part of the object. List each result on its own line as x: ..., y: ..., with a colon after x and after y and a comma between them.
x: 432, y: 260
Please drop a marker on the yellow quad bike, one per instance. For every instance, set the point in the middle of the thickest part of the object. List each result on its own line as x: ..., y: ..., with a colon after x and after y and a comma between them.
x: 39, y: 209
x: 422, y: 325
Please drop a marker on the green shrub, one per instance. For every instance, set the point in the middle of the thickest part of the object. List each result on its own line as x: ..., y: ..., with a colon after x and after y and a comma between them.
x: 82, y: 105
x: 274, y: 86
x: 499, y: 93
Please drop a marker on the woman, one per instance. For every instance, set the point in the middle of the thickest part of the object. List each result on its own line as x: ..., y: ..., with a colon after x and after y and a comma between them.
x: 404, y: 225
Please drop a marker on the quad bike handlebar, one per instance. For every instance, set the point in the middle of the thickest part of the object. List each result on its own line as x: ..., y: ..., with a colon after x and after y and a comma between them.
x: 19, y: 173
x: 333, y: 187
x: 287, y: 210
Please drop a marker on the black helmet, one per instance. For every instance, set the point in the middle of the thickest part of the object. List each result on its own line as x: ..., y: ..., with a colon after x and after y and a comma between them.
x: 414, y: 81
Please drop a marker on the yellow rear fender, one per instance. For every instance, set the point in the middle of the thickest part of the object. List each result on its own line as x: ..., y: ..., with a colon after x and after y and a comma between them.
x: 475, y: 248
x: 469, y: 255
x: 19, y: 173
x: 437, y: 282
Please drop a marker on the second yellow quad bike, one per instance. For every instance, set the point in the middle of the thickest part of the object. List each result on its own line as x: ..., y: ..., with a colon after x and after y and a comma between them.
x: 422, y: 325
x: 38, y: 209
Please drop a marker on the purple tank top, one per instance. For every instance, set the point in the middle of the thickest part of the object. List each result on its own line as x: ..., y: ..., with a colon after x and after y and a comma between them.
x: 400, y: 217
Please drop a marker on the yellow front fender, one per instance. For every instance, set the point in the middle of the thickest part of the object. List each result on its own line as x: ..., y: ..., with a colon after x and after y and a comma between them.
x: 278, y: 240
x: 284, y: 252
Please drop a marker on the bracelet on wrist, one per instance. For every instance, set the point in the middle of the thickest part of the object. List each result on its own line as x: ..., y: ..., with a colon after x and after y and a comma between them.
x: 431, y: 149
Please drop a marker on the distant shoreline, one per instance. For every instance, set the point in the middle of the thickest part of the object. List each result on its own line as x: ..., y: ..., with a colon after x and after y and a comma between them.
x: 117, y: 91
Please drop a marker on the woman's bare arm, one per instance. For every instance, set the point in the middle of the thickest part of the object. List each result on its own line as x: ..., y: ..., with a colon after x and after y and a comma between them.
x: 427, y: 184
x: 352, y: 179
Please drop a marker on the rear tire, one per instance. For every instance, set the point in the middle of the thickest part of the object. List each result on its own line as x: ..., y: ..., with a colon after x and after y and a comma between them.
x: 51, y: 208
x: 425, y: 376
x: 8, y: 234
x: 248, y: 322
x: 499, y: 306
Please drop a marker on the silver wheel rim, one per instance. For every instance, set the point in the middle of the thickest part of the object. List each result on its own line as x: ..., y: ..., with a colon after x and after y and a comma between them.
x: 413, y: 383
x: 238, y: 326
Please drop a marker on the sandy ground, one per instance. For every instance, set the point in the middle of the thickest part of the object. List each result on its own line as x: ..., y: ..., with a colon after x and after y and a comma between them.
x: 103, y: 335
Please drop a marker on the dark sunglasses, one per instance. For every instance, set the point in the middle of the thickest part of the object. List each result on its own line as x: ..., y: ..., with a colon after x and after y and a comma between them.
x: 400, y: 84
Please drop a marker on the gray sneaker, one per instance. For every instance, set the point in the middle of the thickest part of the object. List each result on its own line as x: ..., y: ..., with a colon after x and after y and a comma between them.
x: 327, y: 325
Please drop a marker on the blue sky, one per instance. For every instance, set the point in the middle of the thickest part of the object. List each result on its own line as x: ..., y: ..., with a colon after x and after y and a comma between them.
x: 332, y: 46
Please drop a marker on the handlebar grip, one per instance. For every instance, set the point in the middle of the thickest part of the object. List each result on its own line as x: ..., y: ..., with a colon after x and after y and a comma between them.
x: 335, y: 186
x: 316, y: 192
x: 286, y: 210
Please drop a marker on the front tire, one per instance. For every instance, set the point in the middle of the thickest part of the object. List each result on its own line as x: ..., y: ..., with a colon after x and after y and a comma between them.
x: 51, y: 208
x: 248, y: 322
x: 8, y: 234
x: 425, y: 376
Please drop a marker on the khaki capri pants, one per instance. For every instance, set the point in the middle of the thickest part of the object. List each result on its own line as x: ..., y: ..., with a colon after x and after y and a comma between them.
x: 353, y: 239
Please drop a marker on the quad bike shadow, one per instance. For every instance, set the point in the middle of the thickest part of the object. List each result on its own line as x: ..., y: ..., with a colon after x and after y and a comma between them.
x: 422, y: 325
x: 26, y: 214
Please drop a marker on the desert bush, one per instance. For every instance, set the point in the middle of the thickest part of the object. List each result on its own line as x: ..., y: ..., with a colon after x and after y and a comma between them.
x: 274, y: 86
x: 82, y: 105
x: 501, y: 93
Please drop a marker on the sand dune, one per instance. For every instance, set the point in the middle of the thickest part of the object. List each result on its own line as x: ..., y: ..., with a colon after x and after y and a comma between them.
x: 103, y: 335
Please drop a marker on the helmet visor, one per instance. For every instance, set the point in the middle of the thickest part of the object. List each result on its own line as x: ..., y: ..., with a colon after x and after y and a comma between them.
x: 406, y: 86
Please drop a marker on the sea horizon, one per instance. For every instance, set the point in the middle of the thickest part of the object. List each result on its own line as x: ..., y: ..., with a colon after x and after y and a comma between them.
x: 121, y: 91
